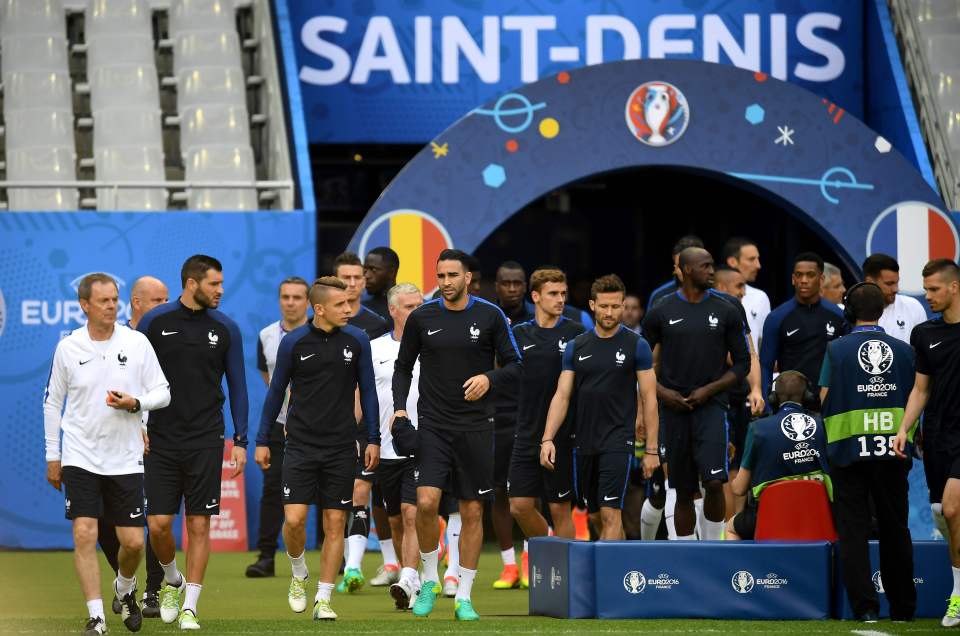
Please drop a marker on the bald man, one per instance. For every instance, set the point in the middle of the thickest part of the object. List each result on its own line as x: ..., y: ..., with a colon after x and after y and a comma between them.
x: 147, y: 292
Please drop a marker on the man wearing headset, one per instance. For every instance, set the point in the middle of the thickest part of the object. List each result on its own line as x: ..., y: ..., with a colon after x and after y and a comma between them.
x: 866, y: 378
x: 790, y: 444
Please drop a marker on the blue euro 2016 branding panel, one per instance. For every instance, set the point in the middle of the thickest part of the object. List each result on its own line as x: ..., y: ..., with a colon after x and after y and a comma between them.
x: 562, y: 578
x: 932, y: 577
x: 43, y: 256
x: 733, y: 580
x: 401, y: 72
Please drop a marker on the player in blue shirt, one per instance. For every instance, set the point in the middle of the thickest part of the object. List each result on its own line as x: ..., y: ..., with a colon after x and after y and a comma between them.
x: 602, y: 368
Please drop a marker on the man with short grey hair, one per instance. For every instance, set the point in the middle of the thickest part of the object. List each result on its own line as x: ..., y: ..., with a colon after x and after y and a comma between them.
x: 833, y: 288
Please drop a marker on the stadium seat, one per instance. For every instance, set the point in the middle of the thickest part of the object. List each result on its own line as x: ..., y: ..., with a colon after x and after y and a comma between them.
x: 197, y: 50
x: 221, y: 163
x: 34, y: 53
x: 38, y: 127
x: 202, y: 15
x: 131, y: 163
x: 117, y: 17
x: 114, y: 128
x: 42, y: 164
x: 126, y: 50
x: 32, y: 17
x: 208, y: 86
x: 124, y: 87
x: 27, y: 89
x: 212, y: 125
x: 795, y: 510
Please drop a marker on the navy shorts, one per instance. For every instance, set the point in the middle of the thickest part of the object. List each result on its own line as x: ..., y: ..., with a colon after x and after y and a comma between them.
x: 116, y: 499
x: 321, y: 476
x: 696, y: 446
x: 527, y: 478
x: 601, y: 479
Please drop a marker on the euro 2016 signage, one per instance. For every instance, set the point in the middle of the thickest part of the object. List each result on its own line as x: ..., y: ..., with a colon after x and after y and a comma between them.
x: 403, y: 72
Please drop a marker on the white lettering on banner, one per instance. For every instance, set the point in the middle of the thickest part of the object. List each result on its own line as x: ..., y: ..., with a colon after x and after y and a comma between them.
x: 667, y: 35
x: 60, y: 312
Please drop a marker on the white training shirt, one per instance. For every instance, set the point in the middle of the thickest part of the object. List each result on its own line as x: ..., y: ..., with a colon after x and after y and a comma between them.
x: 757, y: 305
x: 384, y: 352
x: 270, y: 337
x: 901, y: 316
x: 96, y: 437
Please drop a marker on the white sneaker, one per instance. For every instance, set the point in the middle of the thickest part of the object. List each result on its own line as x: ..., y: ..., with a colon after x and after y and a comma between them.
x: 386, y: 575
x: 402, y: 592
x: 297, y: 595
x: 952, y: 617
x: 95, y: 627
x: 188, y: 620
x: 450, y: 586
x: 323, y: 612
x: 170, y: 601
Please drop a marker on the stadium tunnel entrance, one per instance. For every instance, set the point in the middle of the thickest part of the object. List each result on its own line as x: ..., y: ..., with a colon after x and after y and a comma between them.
x: 664, y: 147
x: 599, y: 225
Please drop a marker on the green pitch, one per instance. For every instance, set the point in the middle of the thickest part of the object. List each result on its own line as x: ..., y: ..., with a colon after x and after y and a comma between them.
x: 39, y: 594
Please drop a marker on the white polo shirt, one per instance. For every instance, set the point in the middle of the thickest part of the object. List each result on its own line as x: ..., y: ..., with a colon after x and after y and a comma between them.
x: 96, y: 437
x: 757, y: 305
x: 268, y: 345
x: 384, y: 352
x: 901, y: 316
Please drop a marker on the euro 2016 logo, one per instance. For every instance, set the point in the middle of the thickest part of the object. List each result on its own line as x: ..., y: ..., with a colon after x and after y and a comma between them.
x: 742, y: 582
x: 657, y: 113
x: 634, y: 582
x: 875, y: 356
x: 798, y: 427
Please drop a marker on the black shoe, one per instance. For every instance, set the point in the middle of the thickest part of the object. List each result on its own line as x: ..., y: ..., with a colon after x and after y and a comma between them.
x: 151, y: 604
x: 868, y: 617
x: 95, y: 627
x: 116, y: 605
x: 261, y: 569
x: 130, y: 612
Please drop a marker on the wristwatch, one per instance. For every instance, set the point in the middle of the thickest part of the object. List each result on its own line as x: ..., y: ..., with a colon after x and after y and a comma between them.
x: 136, y: 407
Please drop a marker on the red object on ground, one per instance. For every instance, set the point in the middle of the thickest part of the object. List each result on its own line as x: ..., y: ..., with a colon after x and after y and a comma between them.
x: 795, y: 510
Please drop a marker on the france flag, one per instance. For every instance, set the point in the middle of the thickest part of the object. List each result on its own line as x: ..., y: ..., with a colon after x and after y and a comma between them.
x: 913, y: 233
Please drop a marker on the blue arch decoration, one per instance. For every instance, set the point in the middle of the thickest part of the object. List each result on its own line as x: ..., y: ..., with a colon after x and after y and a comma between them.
x: 807, y: 153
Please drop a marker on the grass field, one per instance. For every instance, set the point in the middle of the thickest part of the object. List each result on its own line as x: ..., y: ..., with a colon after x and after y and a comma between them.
x: 39, y: 594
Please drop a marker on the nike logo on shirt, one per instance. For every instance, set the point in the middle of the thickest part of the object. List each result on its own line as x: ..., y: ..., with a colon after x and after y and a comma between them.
x: 582, y: 358
x: 483, y: 492
x: 302, y: 358
x: 209, y: 506
x: 430, y: 332
x: 134, y: 516
x: 714, y: 472
x: 673, y: 322
x: 345, y: 501
x: 525, y: 347
x: 612, y: 498
x: 86, y: 361
x: 382, y: 361
x: 168, y: 333
x: 563, y: 494
x: 931, y: 346
x: 790, y: 333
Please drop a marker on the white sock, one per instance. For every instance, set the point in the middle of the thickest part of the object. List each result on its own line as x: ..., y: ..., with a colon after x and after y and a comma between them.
x: 410, y: 576
x: 191, y: 597
x: 698, y: 510
x: 712, y: 530
x: 956, y: 582
x: 358, y: 544
x: 508, y: 556
x: 527, y: 547
x: 669, y: 509
x: 428, y: 566
x: 299, y: 565
x: 649, y: 521
x: 95, y: 609
x: 453, y: 543
x: 688, y: 537
x: 388, y: 552
x: 324, y: 592
x: 123, y: 585
x: 171, y: 574
x: 466, y: 584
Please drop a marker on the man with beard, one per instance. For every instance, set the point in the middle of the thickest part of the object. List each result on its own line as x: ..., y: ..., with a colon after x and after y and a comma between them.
x: 742, y: 255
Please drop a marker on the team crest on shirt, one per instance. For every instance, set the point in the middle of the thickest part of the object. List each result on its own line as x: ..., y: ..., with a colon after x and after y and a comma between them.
x: 713, y: 321
x: 474, y: 332
x: 122, y: 359
x: 798, y: 427
x: 620, y: 356
x: 212, y: 339
x: 875, y: 357
x: 901, y: 323
x: 347, y: 355
x: 562, y: 345
x: 831, y: 330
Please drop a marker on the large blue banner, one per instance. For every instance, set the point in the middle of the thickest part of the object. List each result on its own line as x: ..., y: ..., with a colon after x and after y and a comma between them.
x: 43, y: 256
x: 401, y: 72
